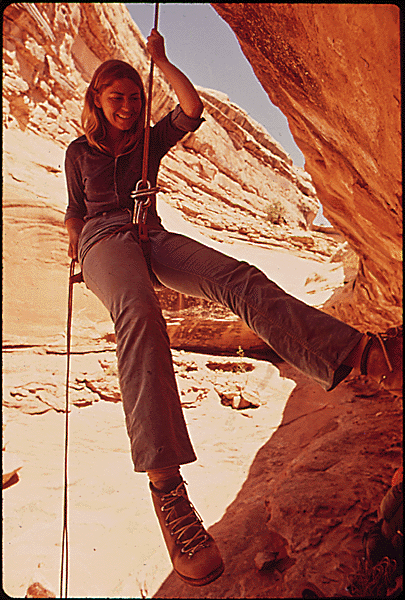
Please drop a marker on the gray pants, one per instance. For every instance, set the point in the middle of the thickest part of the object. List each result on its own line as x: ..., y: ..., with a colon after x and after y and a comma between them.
x: 115, y: 270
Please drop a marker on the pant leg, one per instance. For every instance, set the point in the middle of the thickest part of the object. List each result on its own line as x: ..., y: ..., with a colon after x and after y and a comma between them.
x: 115, y: 270
x: 314, y: 342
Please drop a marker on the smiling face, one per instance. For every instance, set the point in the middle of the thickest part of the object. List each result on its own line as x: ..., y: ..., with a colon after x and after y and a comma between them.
x: 121, y: 103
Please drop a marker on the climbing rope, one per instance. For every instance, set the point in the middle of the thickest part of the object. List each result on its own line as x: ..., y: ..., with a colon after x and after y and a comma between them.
x: 65, y: 541
x: 148, y: 111
x: 143, y: 192
x: 143, y: 195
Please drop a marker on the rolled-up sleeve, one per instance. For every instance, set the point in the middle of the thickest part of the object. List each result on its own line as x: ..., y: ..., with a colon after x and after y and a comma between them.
x: 170, y: 130
x: 76, y: 205
x: 181, y: 121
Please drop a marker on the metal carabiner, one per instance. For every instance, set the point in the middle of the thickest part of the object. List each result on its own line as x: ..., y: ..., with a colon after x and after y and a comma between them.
x: 143, y: 201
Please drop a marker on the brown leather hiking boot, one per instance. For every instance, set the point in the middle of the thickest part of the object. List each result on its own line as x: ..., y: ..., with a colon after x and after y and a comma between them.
x: 193, y: 551
x: 382, y: 360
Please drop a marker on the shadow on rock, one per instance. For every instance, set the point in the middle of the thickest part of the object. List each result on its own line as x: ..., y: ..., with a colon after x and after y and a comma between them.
x: 312, y: 492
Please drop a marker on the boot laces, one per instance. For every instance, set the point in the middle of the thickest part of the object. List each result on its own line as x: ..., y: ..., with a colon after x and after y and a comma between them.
x: 181, y: 525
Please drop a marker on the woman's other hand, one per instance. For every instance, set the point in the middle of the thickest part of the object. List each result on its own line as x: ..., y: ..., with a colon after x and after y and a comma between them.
x: 74, y: 227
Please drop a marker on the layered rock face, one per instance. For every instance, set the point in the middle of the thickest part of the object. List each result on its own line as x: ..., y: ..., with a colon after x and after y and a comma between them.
x: 231, y: 170
x: 334, y: 71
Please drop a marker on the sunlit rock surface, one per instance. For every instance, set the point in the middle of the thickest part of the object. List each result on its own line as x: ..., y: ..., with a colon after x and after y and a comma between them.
x: 334, y: 71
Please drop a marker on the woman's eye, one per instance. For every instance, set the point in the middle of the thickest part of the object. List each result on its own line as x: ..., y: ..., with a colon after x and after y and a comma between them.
x: 132, y: 99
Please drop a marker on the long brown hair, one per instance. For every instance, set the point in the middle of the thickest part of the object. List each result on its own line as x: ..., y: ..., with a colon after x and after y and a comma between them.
x: 93, y: 119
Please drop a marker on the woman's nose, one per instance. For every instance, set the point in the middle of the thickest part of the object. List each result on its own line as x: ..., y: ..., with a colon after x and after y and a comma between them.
x: 126, y: 104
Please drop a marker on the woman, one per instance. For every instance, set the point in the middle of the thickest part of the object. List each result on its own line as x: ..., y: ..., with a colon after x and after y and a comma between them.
x: 102, y: 168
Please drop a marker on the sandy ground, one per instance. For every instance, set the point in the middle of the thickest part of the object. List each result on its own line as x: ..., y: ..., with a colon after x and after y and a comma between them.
x: 116, y: 548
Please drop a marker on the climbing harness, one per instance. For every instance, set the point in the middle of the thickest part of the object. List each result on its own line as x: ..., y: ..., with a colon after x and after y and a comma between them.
x: 143, y: 196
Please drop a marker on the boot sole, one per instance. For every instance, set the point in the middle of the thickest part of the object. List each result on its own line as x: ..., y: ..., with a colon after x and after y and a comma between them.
x: 206, y: 580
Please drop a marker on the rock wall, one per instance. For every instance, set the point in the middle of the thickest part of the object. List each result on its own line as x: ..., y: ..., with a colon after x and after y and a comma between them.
x: 334, y: 71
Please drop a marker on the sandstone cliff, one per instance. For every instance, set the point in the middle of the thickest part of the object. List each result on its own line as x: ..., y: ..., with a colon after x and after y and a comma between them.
x: 334, y: 71
x: 312, y: 492
x: 295, y: 505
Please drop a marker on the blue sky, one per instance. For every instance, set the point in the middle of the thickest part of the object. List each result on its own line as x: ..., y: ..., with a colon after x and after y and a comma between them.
x: 205, y: 48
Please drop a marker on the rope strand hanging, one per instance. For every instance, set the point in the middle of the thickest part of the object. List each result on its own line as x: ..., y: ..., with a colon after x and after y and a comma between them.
x: 143, y: 194
x: 65, y: 541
